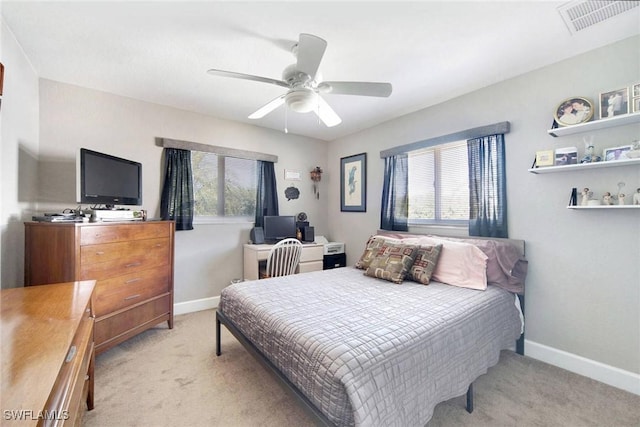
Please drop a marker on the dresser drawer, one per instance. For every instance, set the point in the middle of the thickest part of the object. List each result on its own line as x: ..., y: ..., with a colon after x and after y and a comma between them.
x: 114, y: 327
x: 70, y: 389
x: 95, y: 234
x: 136, y: 262
x: 123, y: 291
x: 91, y: 254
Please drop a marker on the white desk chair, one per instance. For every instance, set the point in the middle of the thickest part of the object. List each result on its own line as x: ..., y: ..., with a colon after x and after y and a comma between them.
x: 283, y: 258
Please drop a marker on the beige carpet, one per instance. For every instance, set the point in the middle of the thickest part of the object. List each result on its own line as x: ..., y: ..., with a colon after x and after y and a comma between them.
x: 173, y: 378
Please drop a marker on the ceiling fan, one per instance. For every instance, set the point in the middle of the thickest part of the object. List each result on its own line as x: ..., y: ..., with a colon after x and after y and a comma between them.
x: 303, y: 94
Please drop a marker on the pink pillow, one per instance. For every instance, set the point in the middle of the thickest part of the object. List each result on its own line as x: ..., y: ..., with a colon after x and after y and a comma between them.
x: 459, y: 264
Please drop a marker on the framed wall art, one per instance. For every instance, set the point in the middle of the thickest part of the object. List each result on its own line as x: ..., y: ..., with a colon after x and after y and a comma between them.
x: 614, y: 103
x: 353, y: 183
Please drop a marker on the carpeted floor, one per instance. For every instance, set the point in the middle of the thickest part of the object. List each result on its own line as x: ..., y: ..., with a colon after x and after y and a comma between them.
x: 173, y: 378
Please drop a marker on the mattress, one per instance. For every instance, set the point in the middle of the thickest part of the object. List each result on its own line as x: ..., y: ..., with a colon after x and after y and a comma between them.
x: 369, y: 352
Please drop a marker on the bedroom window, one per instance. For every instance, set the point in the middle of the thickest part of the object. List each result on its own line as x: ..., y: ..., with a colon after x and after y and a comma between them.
x: 438, y: 186
x: 223, y: 186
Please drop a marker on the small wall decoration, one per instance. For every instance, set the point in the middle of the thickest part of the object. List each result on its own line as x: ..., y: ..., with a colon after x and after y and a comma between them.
x: 353, y: 183
x: 291, y: 193
x: 573, y: 111
x: 614, y: 103
x: 291, y: 175
x: 316, y: 176
x: 617, y: 153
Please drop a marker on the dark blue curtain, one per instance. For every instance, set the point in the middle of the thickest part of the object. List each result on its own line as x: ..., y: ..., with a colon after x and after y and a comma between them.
x: 487, y: 187
x: 395, y: 196
x: 177, y: 192
x: 267, y: 194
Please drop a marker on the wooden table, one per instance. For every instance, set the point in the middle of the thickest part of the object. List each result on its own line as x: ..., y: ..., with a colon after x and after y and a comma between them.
x: 47, y: 353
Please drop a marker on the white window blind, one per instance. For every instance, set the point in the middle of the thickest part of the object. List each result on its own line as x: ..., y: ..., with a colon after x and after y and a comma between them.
x: 439, y: 184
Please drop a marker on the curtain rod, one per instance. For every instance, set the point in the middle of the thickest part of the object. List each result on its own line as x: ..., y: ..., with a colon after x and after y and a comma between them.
x: 494, y: 129
x: 223, y: 151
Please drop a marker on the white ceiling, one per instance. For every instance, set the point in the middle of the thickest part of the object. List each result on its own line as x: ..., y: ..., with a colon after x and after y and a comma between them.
x: 430, y: 51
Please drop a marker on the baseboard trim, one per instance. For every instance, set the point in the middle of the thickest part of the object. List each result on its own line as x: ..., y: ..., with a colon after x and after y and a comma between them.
x: 195, y: 305
x: 607, y: 374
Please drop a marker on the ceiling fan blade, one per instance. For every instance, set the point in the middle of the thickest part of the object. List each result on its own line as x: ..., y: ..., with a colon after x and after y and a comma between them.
x: 356, y: 88
x: 235, y: 75
x: 326, y: 113
x: 310, y: 52
x: 269, y: 107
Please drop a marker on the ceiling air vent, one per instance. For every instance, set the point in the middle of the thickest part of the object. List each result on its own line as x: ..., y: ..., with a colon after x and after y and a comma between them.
x: 581, y: 14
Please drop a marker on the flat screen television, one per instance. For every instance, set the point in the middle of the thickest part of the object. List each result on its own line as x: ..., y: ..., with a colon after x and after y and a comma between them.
x: 277, y: 228
x: 107, y: 180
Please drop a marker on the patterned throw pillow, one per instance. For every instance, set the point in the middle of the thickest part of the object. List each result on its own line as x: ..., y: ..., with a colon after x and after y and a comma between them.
x: 424, y: 264
x: 373, y: 246
x: 392, y: 262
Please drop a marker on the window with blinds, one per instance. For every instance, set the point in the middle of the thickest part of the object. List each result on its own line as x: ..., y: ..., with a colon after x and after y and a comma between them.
x: 439, y: 185
x: 223, y: 186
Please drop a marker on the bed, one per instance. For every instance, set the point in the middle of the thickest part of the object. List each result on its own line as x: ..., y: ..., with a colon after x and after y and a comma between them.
x: 358, y: 349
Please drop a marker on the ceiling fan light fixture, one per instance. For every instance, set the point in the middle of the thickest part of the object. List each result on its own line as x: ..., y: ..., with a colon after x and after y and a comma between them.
x: 302, y: 100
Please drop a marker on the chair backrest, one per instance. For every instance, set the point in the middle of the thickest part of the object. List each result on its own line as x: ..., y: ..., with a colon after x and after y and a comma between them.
x: 284, y: 258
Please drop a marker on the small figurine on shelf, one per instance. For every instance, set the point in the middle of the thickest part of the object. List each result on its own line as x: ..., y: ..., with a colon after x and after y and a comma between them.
x: 589, y: 157
x: 607, y: 199
x: 636, y: 197
x: 621, y: 199
x: 586, y: 195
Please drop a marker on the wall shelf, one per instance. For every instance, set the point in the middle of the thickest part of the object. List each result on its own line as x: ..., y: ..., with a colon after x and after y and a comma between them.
x: 605, y: 207
x: 585, y: 166
x: 621, y: 120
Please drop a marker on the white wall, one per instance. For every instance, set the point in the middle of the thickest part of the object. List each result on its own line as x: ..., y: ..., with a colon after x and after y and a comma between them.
x: 583, y: 287
x: 18, y: 148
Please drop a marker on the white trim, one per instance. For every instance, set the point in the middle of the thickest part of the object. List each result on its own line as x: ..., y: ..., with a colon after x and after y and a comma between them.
x: 625, y: 380
x: 195, y: 305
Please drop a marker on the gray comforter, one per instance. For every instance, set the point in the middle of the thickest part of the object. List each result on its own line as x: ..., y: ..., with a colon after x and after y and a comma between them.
x: 368, y: 352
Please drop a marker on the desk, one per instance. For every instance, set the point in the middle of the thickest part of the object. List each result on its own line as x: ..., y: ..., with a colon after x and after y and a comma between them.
x: 47, y: 354
x: 310, y: 259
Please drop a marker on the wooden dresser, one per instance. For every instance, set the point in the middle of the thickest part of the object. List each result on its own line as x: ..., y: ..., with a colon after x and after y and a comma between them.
x: 132, y: 263
x: 47, y: 354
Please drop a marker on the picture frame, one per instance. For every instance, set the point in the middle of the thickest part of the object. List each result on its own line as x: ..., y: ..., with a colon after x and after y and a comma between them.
x: 614, y: 103
x: 353, y: 183
x: 636, y: 105
x: 292, y: 175
x: 616, y: 153
x: 635, y: 90
x: 544, y: 158
x: 573, y: 111
x: 566, y: 156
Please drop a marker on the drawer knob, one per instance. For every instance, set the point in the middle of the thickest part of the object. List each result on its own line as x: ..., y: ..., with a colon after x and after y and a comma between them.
x: 133, y: 264
x: 100, y: 253
x: 132, y: 297
x: 137, y: 279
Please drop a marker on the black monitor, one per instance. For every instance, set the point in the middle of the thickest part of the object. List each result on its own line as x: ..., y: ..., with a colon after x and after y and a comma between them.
x: 277, y: 228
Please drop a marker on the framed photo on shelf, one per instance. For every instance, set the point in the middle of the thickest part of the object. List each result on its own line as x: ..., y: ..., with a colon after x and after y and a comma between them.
x: 617, y: 153
x: 635, y: 90
x: 544, y: 158
x: 614, y: 103
x: 566, y: 156
x: 636, y: 105
x: 353, y: 183
x: 573, y: 111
